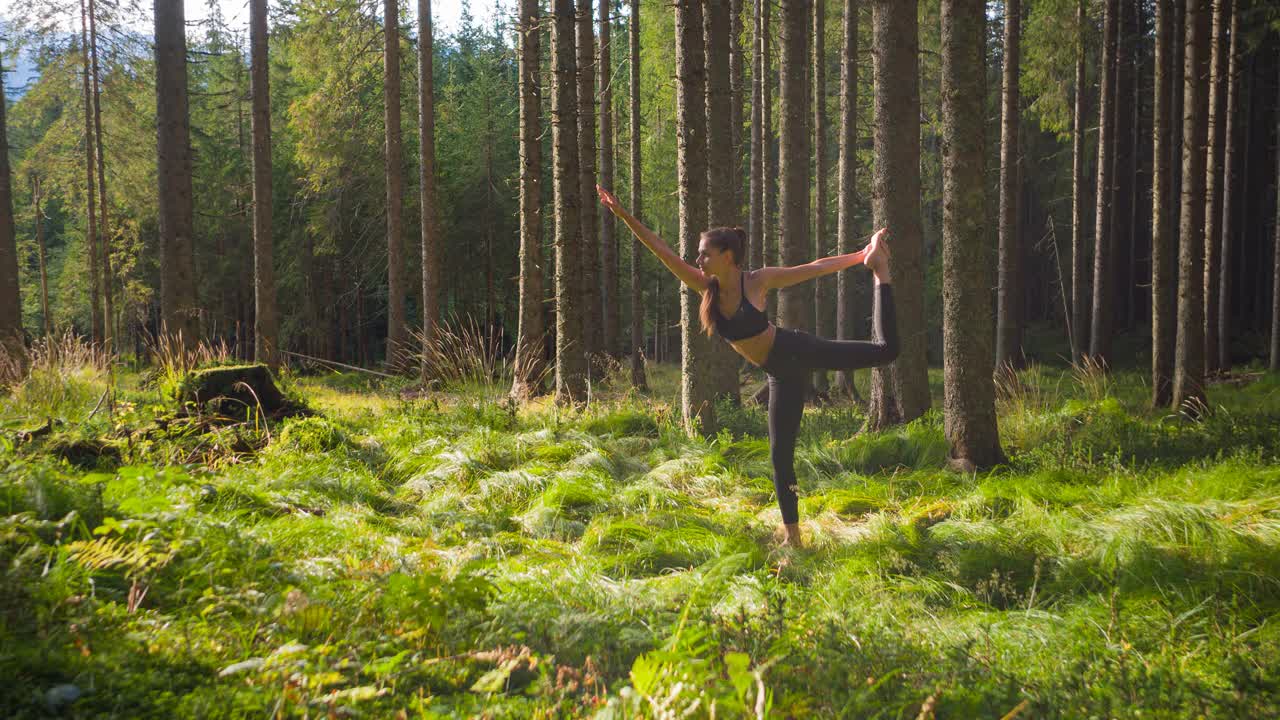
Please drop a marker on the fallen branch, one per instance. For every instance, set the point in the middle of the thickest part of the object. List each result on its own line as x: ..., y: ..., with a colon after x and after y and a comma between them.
x: 341, y: 365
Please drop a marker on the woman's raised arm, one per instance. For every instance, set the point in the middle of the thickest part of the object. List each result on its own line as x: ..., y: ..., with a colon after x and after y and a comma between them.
x: 688, y: 274
x: 780, y: 277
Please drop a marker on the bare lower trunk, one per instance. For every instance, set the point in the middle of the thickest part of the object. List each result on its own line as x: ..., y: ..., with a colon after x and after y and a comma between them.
x: 12, y: 343
x: 1009, y: 309
x: 397, y: 333
x: 592, y: 334
x: 178, y: 307
x: 637, y: 314
x: 899, y: 392
x: 432, y: 257
x: 794, y: 303
x: 571, y: 365
x: 1214, y: 179
x: 1229, y: 184
x: 696, y: 389
x: 91, y: 238
x: 264, y: 288
x: 1163, y: 235
x: 755, y: 214
x: 722, y: 176
x: 970, y: 413
x: 822, y: 287
x: 1100, y: 327
x: 529, y: 347
x: 1079, y: 273
x: 846, y: 230
x: 1188, y: 374
x: 608, y: 228
x: 104, y: 231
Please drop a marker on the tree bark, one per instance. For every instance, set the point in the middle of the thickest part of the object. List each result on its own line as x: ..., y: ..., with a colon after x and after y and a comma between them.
x: 104, y: 232
x: 1164, y: 266
x: 593, y: 336
x: 1100, y: 327
x: 178, y: 307
x: 397, y: 333
x: 91, y: 238
x: 1188, y: 373
x: 571, y: 358
x: 1079, y: 272
x: 1275, y: 255
x: 722, y: 173
x: 1008, y: 351
x: 529, y: 346
x: 846, y: 229
x: 1229, y: 184
x: 637, y: 315
x: 794, y: 303
x: 11, y: 340
x: 264, y: 288
x: 1214, y: 179
x: 608, y: 228
x: 429, y: 230
x: 735, y: 110
x: 899, y: 392
x: 755, y: 214
x: 769, y: 160
x: 822, y: 287
x: 696, y: 382
x: 47, y: 322
x: 1124, y: 185
x: 969, y: 405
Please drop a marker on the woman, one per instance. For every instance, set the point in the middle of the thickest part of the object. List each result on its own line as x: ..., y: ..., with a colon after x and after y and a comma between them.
x: 731, y: 297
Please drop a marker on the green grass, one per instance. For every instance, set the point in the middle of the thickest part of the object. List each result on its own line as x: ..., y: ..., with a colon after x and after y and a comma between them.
x: 453, y: 555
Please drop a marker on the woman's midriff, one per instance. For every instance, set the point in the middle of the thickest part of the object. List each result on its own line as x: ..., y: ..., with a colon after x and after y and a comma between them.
x: 756, y: 348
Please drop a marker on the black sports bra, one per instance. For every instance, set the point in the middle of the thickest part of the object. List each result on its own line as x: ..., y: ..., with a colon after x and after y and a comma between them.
x: 746, y: 322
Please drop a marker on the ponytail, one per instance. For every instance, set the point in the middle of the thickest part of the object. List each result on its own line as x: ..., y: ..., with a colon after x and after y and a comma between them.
x: 710, y: 297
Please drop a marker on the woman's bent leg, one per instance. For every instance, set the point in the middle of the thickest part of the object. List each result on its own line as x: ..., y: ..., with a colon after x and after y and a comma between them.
x: 786, y: 405
x: 820, y: 353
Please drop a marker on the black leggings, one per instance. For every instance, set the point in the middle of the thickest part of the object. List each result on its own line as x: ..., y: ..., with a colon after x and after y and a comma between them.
x: 794, y: 355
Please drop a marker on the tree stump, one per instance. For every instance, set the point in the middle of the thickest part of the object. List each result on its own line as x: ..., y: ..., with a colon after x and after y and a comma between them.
x: 230, y: 390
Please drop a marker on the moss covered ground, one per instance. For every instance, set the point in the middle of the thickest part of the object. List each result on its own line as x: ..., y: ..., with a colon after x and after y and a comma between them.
x: 395, y: 554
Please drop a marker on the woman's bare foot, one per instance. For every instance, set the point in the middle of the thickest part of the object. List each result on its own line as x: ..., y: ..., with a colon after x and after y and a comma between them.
x: 877, y: 257
x: 788, y: 535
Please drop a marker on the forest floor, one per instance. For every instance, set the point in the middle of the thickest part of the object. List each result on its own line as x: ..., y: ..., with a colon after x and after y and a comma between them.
x: 404, y: 555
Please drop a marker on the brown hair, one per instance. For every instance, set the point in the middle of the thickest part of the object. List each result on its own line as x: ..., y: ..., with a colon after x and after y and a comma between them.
x: 734, y: 240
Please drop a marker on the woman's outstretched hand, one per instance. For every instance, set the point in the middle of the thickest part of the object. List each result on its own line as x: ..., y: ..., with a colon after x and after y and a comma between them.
x: 877, y: 255
x: 608, y: 200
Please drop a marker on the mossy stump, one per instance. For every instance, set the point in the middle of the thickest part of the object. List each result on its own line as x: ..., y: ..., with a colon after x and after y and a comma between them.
x: 231, y: 390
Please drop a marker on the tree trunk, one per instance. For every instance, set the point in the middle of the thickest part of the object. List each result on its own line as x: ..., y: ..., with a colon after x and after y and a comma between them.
x: 1275, y: 255
x: 1100, y: 327
x: 822, y: 286
x: 1124, y: 185
x: 178, y: 307
x: 722, y: 172
x: 608, y: 228
x: 1214, y: 179
x: 47, y: 322
x: 1164, y: 265
x: 735, y: 111
x: 592, y: 313
x: 696, y: 389
x: 1008, y: 351
x: 91, y: 237
x: 1229, y: 184
x: 899, y: 392
x: 104, y: 232
x: 397, y: 333
x: 794, y: 303
x: 1188, y: 373
x: 769, y: 156
x: 846, y: 229
x: 571, y: 365
x: 969, y: 405
x: 755, y: 214
x: 429, y: 230
x: 1079, y: 277
x: 264, y: 287
x: 529, y: 345
x: 637, y: 314
x: 11, y: 340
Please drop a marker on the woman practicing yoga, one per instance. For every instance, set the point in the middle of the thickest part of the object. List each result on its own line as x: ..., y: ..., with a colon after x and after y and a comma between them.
x: 731, y: 297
